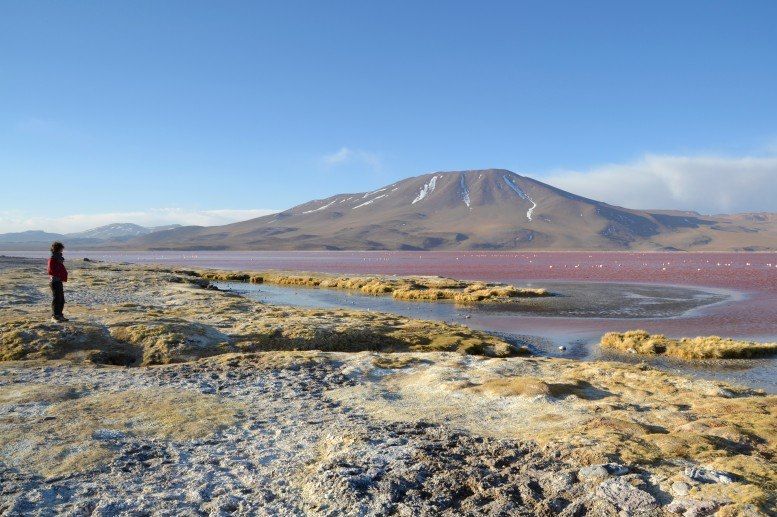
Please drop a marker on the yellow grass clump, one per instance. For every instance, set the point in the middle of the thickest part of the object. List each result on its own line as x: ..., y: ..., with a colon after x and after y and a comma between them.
x: 530, y: 387
x: 30, y: 338
x: 415, y: 293
x: 514, y: 386
x: 418, y: 288
x: 228, y: 276
x: 704, y: 347
x: 396, y: 361
x: 68, y: 439
x: 171, y: 340
x: 35, y: 392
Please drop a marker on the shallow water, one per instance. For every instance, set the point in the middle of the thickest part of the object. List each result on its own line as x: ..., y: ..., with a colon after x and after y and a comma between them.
x: 569, y: 300
x: 573, y: 301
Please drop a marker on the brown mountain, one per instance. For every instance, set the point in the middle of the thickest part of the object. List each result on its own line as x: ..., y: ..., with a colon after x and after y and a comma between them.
x: 478, y: 209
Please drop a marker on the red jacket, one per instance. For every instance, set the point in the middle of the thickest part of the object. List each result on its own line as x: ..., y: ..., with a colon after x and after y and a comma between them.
x: 57, y: 269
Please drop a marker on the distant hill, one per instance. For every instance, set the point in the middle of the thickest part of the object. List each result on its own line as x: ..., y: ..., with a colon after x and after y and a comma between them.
x: 473, y: 210
x: 29, y: 236
x: 119, y: 231
x: 103, y: 235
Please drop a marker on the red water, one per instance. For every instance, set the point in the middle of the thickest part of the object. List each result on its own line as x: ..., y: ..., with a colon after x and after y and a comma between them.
x: 754, y: 275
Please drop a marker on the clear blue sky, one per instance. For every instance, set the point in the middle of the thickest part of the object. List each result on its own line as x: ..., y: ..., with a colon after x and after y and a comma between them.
x: 128, y: 106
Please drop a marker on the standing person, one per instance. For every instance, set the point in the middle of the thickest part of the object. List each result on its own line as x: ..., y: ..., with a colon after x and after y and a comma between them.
x: 57, y: 275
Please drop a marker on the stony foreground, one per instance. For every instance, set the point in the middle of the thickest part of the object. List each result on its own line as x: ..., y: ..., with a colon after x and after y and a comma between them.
x: 231, y: 427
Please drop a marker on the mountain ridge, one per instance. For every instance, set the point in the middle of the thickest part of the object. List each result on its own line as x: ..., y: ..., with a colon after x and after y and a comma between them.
x: 475, y: 209
x: 108, y: 232
x: 482, y: 209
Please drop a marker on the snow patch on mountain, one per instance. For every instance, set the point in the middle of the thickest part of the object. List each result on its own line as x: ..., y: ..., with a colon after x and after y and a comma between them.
x: 368, y: 194
x: 531, y: 210
x: 465, y: 192
x: 114, y: 230
x: 369, y: 201
x: 427, y: 189
x: 320, y: 208
x: 523, y: 195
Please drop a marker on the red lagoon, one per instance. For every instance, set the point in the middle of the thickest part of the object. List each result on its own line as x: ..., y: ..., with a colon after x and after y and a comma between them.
x: 752, y: 277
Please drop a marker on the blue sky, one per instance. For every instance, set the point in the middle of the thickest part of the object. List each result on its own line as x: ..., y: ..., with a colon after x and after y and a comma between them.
x: 212, y: 111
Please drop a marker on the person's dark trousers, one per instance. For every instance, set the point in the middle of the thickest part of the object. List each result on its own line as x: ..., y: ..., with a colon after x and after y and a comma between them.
x: 58, y: 302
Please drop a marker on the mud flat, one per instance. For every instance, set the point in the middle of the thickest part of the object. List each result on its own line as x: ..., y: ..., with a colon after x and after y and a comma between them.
x: 163, y: 395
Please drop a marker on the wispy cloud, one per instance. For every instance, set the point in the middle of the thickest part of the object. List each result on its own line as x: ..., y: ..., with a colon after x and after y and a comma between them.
x: 708, y: 184
x: 15, y: 222
x: 346, y: 155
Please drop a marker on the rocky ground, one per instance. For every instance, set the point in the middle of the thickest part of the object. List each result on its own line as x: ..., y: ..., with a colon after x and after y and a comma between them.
x: 225, y: 417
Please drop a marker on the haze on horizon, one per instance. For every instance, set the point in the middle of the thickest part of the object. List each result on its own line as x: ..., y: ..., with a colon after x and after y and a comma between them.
x: 197, y: 113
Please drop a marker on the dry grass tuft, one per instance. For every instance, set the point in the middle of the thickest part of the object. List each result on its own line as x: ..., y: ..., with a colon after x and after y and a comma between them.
x: 171, y: 340
x: 533, y: 387
x: 514, y: 386
x: 159, y: 413
x: 227, y: 276
x: 396, y: 362
x: 710, y: 347
x: 72, y: 436
x: 280, y: 360
x: 29, y: 338
x: 419, y: 288
x: 420, y: 293
x: 42, y: 393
